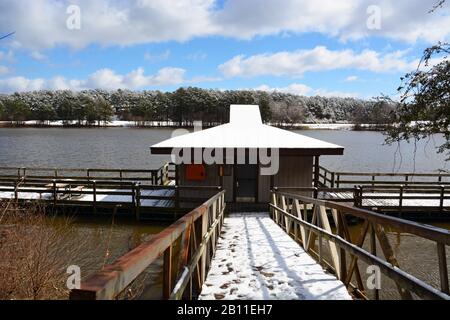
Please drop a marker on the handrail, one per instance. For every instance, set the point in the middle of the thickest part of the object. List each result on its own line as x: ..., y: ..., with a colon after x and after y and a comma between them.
x: 160, y: 176
x: 67, y: 191
x: 328, y: 178
x: 197, y: 233
x: 291, y: 212
x: 359, y: 195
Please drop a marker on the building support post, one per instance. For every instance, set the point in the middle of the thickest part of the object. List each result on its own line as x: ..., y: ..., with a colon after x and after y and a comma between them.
x: 316, y: 171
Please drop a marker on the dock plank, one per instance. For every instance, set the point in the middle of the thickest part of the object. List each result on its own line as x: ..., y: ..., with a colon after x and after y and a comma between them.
x: 100, y: 198
x: 256, y: 259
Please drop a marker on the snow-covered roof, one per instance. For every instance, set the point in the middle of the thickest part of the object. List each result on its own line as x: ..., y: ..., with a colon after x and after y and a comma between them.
x: 246, y: 130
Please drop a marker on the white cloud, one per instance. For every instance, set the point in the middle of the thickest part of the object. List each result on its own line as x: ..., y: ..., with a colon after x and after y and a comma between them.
x: 406, y: 20
x: 320, y: 58
x: 7, y: 56
x: 197, y: 56
x: 157, y: 57
x: 36, y: 55
x: 21, y: 84
x: 4, y: 70
x: 41, y: 24
x: 351, y: 78
x: 102, y: 79
x: 304, y: 90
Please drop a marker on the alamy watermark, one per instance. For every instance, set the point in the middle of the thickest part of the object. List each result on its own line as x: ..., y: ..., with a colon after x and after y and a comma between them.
x: 373, y: 21
x: 73, y: 21
x: 373, y: 281
x: 267, y: 158
x: 74, y: 279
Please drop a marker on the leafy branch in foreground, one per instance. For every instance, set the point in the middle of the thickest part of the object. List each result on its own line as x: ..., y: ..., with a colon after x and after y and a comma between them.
x: 424, y: 108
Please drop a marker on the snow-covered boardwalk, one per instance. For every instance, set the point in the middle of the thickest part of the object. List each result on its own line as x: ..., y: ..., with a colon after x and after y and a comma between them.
x: 256, y: 259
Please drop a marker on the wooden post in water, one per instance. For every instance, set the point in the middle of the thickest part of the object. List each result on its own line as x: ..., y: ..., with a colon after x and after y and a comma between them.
x: 133, y: 197
x: 94, y: 188
x: 138, y: 201
x: 16, y: 193
x: 400, y: 202
x: 55, y: 194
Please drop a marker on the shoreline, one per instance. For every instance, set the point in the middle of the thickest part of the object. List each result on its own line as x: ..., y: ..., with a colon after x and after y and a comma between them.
x: 165, y: 124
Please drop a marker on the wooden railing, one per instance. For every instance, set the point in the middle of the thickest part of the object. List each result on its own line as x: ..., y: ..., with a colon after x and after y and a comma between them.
x: 370, y: 197
x: 307, y: 221
x: 184, y: 273
x: 337, y: 179
x: 161, y: 176
x: 130, y: 196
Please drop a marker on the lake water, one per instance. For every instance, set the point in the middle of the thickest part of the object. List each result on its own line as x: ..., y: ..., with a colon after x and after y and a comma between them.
x: 129, y: 148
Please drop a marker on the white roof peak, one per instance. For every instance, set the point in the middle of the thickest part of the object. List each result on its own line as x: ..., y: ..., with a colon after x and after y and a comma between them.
x: 245, y: 115
x: 246, y: 130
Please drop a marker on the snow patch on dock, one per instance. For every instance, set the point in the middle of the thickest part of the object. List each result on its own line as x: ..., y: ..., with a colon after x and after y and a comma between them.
x: 255, y: 259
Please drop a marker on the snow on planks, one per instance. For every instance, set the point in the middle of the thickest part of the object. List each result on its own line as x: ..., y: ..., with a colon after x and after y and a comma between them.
x: 421, y: 200
x: 256, y: 259
x: 101, y: 198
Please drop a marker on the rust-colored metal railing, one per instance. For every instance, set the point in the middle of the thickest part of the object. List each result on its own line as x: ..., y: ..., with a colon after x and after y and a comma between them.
x: 184, y: 273
x: 321, y: 226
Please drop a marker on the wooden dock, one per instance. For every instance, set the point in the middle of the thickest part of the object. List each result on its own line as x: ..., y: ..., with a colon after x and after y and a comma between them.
x: 256, y: 260
x: 397, y: 200
x: 144, y: 191
x: 144, y: 194
x: 293, y: 254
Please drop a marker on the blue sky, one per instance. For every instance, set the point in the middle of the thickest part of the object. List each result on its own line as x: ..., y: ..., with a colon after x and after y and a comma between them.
x: 344, y: 48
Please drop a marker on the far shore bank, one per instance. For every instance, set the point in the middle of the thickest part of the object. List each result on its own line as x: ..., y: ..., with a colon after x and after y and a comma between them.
x: 165, y: 124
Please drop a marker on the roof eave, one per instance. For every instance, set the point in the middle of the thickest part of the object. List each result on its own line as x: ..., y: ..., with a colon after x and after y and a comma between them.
x: 283, y: 151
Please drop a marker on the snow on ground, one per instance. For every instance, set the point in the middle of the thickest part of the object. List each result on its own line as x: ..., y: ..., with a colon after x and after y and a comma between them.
x: 122, y: 123
x: 30, y: 195
x: 113, y: 123
x: 368, y: 202
x: 256, y: 259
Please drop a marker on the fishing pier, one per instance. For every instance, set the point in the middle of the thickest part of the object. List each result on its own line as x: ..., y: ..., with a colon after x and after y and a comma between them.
x: 238, y: 233
x: 157, y: 194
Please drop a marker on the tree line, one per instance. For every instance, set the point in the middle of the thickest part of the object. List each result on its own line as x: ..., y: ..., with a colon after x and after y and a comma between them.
x: 185, y: 105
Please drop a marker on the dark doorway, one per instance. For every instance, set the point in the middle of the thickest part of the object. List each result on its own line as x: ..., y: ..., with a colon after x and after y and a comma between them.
x: 246, y: 182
